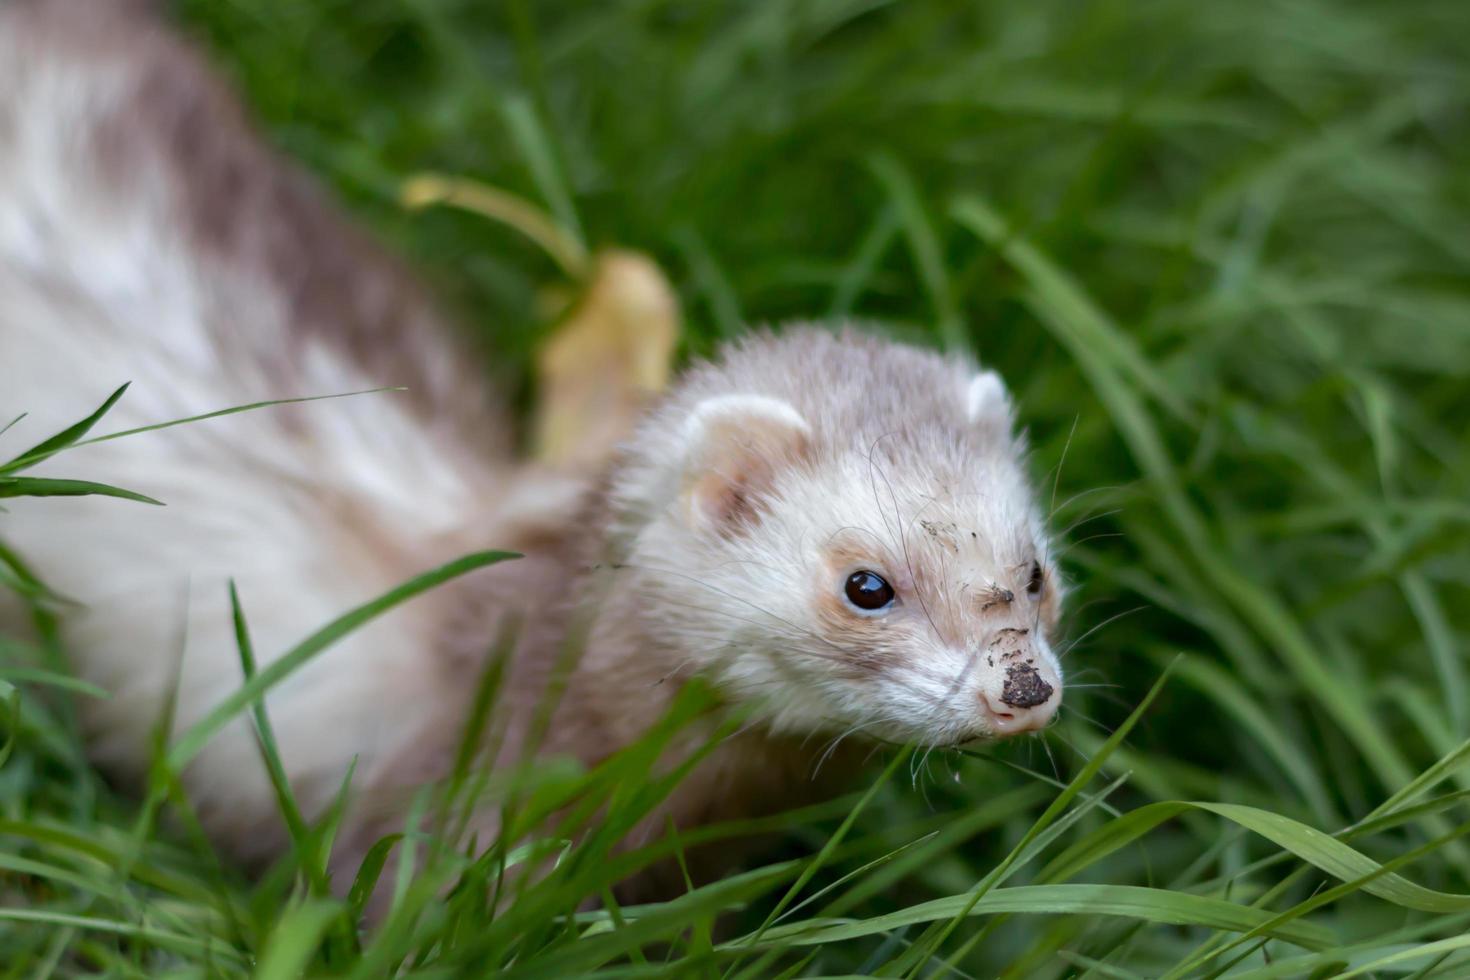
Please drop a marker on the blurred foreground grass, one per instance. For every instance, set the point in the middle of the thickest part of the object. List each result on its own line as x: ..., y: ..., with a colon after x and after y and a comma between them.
x: 1220, y: 251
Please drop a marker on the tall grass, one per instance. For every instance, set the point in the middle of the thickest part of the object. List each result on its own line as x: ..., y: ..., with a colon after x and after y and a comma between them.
x: 1220, y: 252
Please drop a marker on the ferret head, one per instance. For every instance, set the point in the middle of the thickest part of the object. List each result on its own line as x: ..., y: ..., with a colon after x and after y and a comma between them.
x: 841, y: 529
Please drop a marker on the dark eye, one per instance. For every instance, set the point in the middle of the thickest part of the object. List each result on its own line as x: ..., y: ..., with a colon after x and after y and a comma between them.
x: 868, y: 591
x: 1033, y: 587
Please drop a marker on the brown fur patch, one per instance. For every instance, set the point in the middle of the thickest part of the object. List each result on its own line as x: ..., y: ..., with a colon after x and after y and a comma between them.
x: 864, y: 639
x: 247, y: 211
x: 853, y: 551
x: 736, y: 467
x: 867, y: 640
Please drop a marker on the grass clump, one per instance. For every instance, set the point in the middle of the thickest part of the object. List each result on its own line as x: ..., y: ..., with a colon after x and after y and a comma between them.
x: 1218, y: 252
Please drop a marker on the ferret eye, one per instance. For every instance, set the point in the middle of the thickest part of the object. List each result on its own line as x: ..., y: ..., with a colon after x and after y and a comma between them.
x: 1033, y: 587
x: 869, y: 591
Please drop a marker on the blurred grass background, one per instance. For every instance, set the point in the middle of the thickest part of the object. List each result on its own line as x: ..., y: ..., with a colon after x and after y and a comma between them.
x: 1221, y: 252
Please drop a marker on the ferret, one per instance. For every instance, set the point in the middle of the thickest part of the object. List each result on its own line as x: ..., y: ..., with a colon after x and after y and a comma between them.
x: 835, y: 532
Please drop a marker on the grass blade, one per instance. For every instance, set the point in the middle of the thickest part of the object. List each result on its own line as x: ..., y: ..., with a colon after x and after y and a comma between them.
x: 62, y: 439
x: 189, y: 744
x: 37, y: 486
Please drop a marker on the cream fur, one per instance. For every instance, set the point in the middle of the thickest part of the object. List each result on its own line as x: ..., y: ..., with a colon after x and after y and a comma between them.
x: 100, y: 284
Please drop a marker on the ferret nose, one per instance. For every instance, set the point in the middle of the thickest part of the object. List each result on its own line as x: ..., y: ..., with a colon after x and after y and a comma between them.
x: 1027, y: 701
x: 1010, y: 719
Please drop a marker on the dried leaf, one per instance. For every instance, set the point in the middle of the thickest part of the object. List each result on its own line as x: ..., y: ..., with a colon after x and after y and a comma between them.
x: 610, y: 355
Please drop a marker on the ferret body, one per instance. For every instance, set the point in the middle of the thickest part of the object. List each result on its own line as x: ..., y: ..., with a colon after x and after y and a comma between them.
x: 835, y: 531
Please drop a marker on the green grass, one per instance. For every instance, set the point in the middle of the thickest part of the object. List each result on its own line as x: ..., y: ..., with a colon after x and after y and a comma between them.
x: 1220, y: 253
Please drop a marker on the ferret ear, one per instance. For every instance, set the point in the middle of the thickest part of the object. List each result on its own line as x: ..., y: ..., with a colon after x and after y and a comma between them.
x: 988, y: 404
x: 735, y: 445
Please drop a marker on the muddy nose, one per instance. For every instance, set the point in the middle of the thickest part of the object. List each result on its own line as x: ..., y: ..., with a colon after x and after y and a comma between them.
x: 1025, y: 703
x: 1007, y: 719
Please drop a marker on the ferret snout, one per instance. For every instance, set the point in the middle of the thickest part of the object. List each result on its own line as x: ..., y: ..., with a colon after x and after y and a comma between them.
x: 1026, y: 702
x: 1024, y: 692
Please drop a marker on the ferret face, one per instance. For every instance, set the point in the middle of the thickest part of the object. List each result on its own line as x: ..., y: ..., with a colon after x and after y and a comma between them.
x: 853, y: 575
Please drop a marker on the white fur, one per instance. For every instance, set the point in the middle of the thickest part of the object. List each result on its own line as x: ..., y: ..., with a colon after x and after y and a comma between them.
x: 735, y: 408
x: 98, y: 286
x: 986, y: 399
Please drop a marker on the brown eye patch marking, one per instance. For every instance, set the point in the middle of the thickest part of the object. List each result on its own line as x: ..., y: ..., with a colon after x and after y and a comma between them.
x: 860, y: 645
x: 921, y: 574
x: 852, y: 548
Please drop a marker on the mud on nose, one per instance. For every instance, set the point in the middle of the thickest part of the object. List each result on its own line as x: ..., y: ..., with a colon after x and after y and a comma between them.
x: 1026, y: 702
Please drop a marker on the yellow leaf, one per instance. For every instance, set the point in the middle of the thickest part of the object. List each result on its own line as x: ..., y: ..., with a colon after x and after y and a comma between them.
x: 614, y: 349
x: 607, y: 359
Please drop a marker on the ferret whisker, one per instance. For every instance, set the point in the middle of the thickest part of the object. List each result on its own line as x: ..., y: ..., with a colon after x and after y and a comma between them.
x: 1104, y: 692
x: 922, y: 785
x: 857, y: 527
x: 1091, y: 537
x: 909, y: 564
x: 726, y: 594
x: 1087, y: 718
x: 1041, y: 737
x: 944, y: 569
x: 844, y: 659
x: 924, y: 759
x: 1114, y: 699
x: 903, y: 541
x: 1045, y: 563
x: 831, y: 748
x: 944, y: 587
x: 938, y: 752
x: 948, y: 755
x: 929, y: 501
x: 833, y: 739
x: 1089, y: 604
x: 873, y: 483
x: 1069, y: 744
x: 730, y: 595
x: 1111, y: 619
x: 1084, y: 493
x: 792, y: 632
x: 751, y: 562
x: 964, y: 672
x: 867, y: 759
x: 1057, y: 480
x: 1088, y: 520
